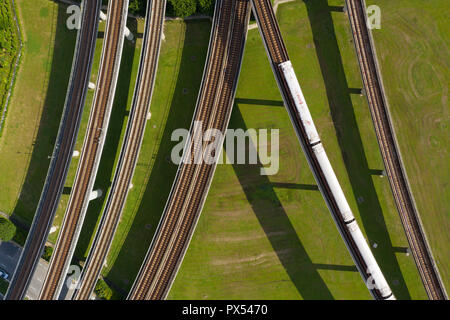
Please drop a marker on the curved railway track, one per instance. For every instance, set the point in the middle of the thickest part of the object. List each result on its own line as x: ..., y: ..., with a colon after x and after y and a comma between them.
x: 91, y: 152
x: 130, y: 149
x: 390, y: 153
x: 194, y: 177
x: 277, y: 54
x: 62, y: 154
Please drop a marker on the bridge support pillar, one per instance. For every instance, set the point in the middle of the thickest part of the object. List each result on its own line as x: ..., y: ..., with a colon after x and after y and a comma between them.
x: 128, y: 34
x: 102, y: 16
x: 95, y: 194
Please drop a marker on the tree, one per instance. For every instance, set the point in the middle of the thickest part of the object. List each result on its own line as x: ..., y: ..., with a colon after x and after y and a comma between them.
x: 183, y: 8
x: 206, y: 6
x: 47, y: 253
x: 102, y: 290
x: 7, y: 229
x: 134, y: 6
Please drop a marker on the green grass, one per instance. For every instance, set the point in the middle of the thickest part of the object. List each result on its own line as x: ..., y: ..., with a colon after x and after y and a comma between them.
x: 412, y: 47
x: 36, y: 105
x: 273, y: 237
x: 258, y: 237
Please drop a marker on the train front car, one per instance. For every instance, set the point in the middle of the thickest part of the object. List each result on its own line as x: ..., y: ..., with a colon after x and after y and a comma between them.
x: 349, y: 229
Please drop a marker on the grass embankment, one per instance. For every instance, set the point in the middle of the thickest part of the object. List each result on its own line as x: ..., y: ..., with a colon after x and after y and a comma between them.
x: 36, y: 106
x: 273, y: 237
x: 412, y: 47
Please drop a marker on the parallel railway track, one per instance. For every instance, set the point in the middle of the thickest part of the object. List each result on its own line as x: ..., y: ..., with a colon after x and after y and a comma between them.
x: 91, y: 152
x: 277, y: 53
x: 193, y: 178
x: 62, y: 154
x: 130, y: 149
x: 390, y: 153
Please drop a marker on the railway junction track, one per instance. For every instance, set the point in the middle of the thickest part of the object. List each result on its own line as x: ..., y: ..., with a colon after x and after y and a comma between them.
x: 62, y: 153
x: 315, y: 154
x: 92, y: 149
x: 130, y: 149
x: 194, y: 175
x: 379, y: 110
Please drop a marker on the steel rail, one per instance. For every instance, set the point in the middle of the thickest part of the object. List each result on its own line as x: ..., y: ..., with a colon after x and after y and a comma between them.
x: 181, y: 213
x: 130, y: 149
x: 390, y: 152
x: 91, y: 151
x: 277, y: 54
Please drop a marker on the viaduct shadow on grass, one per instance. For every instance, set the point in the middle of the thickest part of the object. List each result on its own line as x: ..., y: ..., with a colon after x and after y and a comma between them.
x: 111, y: 146
x: 259, y: 102
x: 153, y: 199
x: 55, y: 88
x: 350, y: 142
x: 272, y: 217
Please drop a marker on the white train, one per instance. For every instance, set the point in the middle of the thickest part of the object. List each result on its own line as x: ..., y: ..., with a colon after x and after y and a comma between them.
x: 353, y: 237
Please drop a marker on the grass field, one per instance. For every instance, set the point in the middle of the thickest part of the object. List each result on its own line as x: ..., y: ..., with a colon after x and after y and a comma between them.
x: 259, y: 237
x: 412, y: 47
x: 273, y: 237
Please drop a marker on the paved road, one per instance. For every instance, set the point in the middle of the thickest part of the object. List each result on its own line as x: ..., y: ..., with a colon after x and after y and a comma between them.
x: 9, y: 255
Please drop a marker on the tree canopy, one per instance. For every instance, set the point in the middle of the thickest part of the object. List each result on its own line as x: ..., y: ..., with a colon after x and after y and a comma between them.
x: 7, y: 229
x: 178, y: 8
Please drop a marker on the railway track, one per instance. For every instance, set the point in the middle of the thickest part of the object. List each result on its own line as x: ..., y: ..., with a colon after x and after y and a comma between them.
x: 390, y: 153
x: 130, y: 149
x: 193, y: 178
x: 277, y: 53
x: 62, y: 153
x: 92, y: 149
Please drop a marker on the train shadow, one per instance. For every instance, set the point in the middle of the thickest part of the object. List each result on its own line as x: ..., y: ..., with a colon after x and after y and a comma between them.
x: 55, y: 88
x: 117, y: 122
x: 350, y: 142
x: 153, y: 196
x: 272, y: 218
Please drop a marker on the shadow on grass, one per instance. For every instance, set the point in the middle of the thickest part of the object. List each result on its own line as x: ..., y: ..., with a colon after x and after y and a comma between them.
x: 111, y: 147
x: 272, y: 217
x: 55, y: 88
x: 351, y: 146
x: 148, y: 212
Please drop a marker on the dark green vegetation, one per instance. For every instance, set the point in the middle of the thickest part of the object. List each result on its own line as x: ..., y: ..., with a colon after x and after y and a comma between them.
x: 3, y: 286
x: 20, y: 237
x: 47, y: 253
x: 7, y: 229
x: 102, y: 290
x: 178, y: 8
x: 9, y: 46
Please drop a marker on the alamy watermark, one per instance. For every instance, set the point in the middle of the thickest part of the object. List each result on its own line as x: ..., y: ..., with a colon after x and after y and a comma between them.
x: 373, y: 17
x: 74, y: 19
x: 242, y: 147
